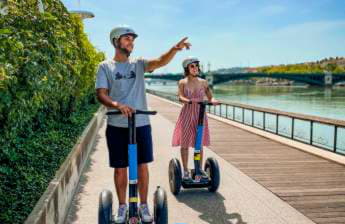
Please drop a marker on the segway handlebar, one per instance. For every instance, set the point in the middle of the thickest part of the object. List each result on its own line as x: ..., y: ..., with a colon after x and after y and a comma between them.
x: 202, y: 103
x: 117, y: 112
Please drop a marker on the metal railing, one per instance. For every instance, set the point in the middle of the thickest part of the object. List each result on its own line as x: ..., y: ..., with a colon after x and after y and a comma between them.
x: 321, y: 132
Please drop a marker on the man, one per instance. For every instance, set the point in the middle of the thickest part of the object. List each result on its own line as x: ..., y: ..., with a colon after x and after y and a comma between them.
x: 120, y: 85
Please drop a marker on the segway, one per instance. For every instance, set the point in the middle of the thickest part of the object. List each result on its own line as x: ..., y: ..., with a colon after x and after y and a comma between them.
x: 105, y: 215
x: 210, y: 177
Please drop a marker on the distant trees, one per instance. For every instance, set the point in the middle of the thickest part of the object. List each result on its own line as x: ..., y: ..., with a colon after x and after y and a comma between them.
x: 334, y: 65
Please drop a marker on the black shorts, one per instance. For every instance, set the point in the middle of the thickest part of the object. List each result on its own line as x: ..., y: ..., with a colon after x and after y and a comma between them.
x: 117, y: 141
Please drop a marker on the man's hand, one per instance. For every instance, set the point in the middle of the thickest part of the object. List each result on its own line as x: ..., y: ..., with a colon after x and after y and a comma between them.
x: 182, y: 44
x: 125, y: 110
x: 168, y: 56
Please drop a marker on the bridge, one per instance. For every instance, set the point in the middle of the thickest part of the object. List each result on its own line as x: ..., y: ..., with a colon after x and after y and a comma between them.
x: 314, y: 79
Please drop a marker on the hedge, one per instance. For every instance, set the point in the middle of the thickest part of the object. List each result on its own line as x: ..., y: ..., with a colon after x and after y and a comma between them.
x: 47, y: 75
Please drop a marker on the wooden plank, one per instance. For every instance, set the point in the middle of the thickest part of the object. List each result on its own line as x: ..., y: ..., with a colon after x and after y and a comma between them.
x: 315, y: 198
x: 322, y: 210
x: 330, y: 220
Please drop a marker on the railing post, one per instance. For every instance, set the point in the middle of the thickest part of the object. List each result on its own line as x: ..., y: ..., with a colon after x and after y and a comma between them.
x: 292, y: 126
x: 264, y: 120
x: 311, y: 132
x: 253, y: 118
x: 242, y: 115
x: 335, y: 138
x: 277, y: 124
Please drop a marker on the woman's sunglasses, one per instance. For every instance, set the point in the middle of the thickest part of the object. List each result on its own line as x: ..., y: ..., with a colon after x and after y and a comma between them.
x: 194, y: 65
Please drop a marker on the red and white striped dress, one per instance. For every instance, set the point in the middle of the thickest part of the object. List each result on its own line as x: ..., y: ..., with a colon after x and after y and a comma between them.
x: 185, y: 129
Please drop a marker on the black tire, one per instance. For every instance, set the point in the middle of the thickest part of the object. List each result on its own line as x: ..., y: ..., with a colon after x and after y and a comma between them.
x: 160, y: 205
x: 175, y: 176
x: 105, y: 207
x: 212, y: 170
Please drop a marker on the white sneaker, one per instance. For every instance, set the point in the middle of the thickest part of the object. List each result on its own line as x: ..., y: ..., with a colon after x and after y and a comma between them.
x: 186, y: 175
x: 145, y: 213
x: 121, y: 214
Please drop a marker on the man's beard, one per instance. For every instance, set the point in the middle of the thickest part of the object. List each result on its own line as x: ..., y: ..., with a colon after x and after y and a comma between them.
x: 125, y: 51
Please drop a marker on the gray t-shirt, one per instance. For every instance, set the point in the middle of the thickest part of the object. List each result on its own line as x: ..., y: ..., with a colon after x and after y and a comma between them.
x: 125, y: 82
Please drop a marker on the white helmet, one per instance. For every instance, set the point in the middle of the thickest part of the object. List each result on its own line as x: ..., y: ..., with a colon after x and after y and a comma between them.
x: 189, y: 60
x: 119, y: 31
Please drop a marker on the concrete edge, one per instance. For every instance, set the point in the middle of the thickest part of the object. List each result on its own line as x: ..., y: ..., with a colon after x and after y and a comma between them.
x: 297, y: 145
x: 54, y: 204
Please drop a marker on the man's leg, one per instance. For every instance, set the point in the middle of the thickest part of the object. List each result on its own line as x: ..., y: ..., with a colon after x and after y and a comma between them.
x: 145, y: 156
x: 143, y: 183
x: 118, y: 158
x: 120, y: 179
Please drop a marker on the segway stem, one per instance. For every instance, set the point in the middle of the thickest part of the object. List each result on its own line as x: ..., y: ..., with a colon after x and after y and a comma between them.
x: 199, y: 134
x: 133, y: 168
x: 132, y: 160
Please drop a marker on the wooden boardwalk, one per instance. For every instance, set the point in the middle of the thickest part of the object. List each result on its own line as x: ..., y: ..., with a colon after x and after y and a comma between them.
x: 312, y: 185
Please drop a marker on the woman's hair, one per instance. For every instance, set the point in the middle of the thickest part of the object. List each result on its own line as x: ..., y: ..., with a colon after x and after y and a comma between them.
x: 186, y: 72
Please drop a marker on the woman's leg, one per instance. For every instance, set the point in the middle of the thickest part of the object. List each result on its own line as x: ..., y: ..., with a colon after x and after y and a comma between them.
x: 184, y: 157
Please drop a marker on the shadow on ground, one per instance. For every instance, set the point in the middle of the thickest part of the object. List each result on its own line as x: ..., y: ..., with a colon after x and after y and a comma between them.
x: 210, y: 205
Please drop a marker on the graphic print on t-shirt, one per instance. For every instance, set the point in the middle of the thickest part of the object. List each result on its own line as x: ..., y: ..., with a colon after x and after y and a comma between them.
x: 131, y: 75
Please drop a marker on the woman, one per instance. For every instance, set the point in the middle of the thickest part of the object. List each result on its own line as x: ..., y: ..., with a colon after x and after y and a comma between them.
x: 191, y: 89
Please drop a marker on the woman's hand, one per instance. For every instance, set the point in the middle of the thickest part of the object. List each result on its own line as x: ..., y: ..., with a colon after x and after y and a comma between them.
x: 215, y: 102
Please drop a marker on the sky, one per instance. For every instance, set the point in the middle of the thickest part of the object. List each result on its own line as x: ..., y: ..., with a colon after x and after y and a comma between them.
x: 224, y: 33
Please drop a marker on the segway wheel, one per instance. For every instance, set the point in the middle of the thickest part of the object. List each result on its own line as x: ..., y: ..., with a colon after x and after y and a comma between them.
x: 105, y: 207
x: 175, y: 176
x: 212, y: 170
x: 160, y: 205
